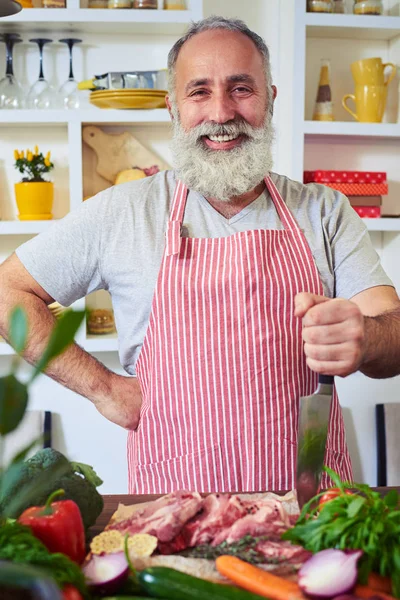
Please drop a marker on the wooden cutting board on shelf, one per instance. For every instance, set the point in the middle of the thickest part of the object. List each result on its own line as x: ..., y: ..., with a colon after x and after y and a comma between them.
x: 117, y: 152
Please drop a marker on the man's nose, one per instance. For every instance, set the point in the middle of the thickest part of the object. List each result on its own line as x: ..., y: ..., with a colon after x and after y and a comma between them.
x: 221, y: 108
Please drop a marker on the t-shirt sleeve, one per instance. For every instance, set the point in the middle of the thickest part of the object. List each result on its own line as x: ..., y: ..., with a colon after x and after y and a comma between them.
x: 66, y: 259
x: 356, y: 264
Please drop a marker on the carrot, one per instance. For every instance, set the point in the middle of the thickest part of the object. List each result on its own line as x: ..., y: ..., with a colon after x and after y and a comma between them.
x: 379, y: 583
x: 256, y: 580
x: 365, y: 591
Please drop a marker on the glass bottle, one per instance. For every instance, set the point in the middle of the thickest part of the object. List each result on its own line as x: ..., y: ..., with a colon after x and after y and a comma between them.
x: 323, y: 110
x: 320, y: 6
x: 146, y: 4
x: 174, y: 5
x: 368, y: 7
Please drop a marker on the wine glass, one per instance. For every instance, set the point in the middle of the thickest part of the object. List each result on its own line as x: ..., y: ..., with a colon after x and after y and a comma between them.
x: 11, y: 91
x: 68, y: 92
x: 42, y: 94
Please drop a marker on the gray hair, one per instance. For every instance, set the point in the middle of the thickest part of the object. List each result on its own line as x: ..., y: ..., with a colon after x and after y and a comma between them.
x: 215, y: 22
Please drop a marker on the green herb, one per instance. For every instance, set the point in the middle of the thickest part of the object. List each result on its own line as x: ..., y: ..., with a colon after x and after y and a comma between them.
x: 19, y: 545
x: 363, y: 520
x: 245, y: 548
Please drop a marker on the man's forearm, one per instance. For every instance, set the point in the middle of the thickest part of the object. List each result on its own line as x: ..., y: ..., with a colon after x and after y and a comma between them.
x: 76, y: 369
x: 382, y: 336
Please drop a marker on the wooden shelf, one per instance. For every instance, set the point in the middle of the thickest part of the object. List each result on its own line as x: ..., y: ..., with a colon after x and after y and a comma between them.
x: 352, y: 26
x: 84, y: 20
x: 91, y: 115
x: 352, y: 129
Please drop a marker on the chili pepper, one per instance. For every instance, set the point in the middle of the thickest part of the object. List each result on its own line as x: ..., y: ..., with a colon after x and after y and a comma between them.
x: 58, y: 525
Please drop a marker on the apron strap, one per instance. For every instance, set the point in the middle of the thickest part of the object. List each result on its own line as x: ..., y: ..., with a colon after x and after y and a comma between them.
x: 174, y: 225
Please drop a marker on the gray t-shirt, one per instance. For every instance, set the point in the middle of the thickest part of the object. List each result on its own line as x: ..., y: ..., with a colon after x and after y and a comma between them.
x: 115, y: 241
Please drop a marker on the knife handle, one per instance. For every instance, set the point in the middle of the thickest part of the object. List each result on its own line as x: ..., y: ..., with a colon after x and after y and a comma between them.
x: 328, y: 379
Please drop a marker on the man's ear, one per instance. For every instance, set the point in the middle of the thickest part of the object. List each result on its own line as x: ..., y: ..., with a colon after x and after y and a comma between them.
x: 274, y: 92
x: 168, y: 103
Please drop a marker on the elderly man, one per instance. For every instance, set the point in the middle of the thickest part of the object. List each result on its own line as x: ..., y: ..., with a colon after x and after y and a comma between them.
x: 232, y: 287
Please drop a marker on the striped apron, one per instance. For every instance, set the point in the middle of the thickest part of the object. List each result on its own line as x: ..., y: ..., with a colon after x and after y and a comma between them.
x: 222, y: 365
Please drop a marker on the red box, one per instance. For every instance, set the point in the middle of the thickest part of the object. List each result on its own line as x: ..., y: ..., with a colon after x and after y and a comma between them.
x: 368, y: 212
x: 344, y: 177
x: 360, y: 189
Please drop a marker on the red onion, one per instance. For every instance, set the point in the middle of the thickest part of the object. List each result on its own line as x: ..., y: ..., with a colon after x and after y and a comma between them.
x: 106, y: 573
x: 329, y: 573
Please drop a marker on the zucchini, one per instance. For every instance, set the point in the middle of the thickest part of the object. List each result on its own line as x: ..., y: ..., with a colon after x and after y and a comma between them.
x: 17, y: 577
x: 163, y: 582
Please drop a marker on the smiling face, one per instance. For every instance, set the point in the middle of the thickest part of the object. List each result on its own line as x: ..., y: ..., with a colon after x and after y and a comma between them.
x: 221, y: 114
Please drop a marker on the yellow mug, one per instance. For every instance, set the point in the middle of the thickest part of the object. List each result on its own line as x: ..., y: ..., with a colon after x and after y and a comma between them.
x: 370, y: 71
x: 370, y: 101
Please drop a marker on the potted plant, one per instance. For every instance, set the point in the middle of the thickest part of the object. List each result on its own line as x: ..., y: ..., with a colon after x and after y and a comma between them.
x: 34, y: 195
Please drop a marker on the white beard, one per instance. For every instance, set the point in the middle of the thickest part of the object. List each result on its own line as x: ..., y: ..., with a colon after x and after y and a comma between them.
x: 222, y: 174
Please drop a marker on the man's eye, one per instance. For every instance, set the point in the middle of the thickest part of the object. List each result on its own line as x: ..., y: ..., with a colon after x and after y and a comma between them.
x: 242, y: 89
x: 198, y: 93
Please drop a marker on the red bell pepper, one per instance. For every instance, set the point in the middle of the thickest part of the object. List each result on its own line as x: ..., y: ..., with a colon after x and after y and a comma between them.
x: 58, y: 525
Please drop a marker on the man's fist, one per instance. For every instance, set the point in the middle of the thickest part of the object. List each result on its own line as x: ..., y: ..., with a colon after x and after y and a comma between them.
x: 333, y: 334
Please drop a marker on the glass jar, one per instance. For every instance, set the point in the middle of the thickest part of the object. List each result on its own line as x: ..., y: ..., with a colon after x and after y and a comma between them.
x: 368, y: 7
x: 174, y: 5
x: 320, y: 6
x: 145, y: 4
x: 98, y: 4
x: 339, y: 6
x: 119, y: 3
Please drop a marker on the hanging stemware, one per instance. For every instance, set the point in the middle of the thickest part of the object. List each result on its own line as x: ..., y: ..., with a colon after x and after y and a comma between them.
x: 11, y: 91
x: 68, y: 92
x: 42, y: 94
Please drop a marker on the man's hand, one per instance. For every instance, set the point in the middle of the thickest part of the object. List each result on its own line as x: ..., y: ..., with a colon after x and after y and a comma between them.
x: 121, y: 404
x: 333, y: 334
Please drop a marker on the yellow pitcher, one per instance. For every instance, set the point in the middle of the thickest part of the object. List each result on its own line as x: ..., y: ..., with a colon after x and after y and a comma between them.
x: 370, y: 89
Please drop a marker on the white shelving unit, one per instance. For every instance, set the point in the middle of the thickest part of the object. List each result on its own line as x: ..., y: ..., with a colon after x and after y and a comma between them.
x: 344, y: 37
x: 61, y: 131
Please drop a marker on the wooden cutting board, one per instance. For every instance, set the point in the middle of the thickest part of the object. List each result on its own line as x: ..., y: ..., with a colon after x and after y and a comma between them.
x: 116, y: 152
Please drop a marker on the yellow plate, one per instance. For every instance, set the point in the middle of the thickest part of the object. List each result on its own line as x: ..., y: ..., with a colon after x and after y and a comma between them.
x: 129, y: 102
x: 131, y: 92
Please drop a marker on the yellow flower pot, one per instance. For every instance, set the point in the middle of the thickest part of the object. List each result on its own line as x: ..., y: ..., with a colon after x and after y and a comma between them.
x: 34, y: 200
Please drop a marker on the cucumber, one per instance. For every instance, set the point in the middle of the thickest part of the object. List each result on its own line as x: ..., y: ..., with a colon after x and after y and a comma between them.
x: 17, y: 577
x: 163, y: 582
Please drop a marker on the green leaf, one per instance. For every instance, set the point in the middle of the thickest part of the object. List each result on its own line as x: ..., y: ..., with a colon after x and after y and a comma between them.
x: 88, y: 472
x: 13, y: 403
x: 62, y: 336
x: 334, y: 476
x: 18, y: 330
x: 22, y: 454
x: 391, y: 499
x: 354, y: 506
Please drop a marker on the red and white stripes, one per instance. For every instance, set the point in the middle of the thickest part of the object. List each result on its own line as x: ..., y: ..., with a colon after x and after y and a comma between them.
x: 222, y: 365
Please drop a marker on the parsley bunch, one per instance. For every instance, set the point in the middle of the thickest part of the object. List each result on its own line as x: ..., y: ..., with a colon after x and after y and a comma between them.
x: 363, y: 521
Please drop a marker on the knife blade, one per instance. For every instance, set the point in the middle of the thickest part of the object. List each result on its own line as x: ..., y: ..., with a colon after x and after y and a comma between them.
x: 314, y: 414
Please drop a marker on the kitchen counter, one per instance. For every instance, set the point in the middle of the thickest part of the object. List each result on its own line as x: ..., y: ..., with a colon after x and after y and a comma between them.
x: 111, y: 502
